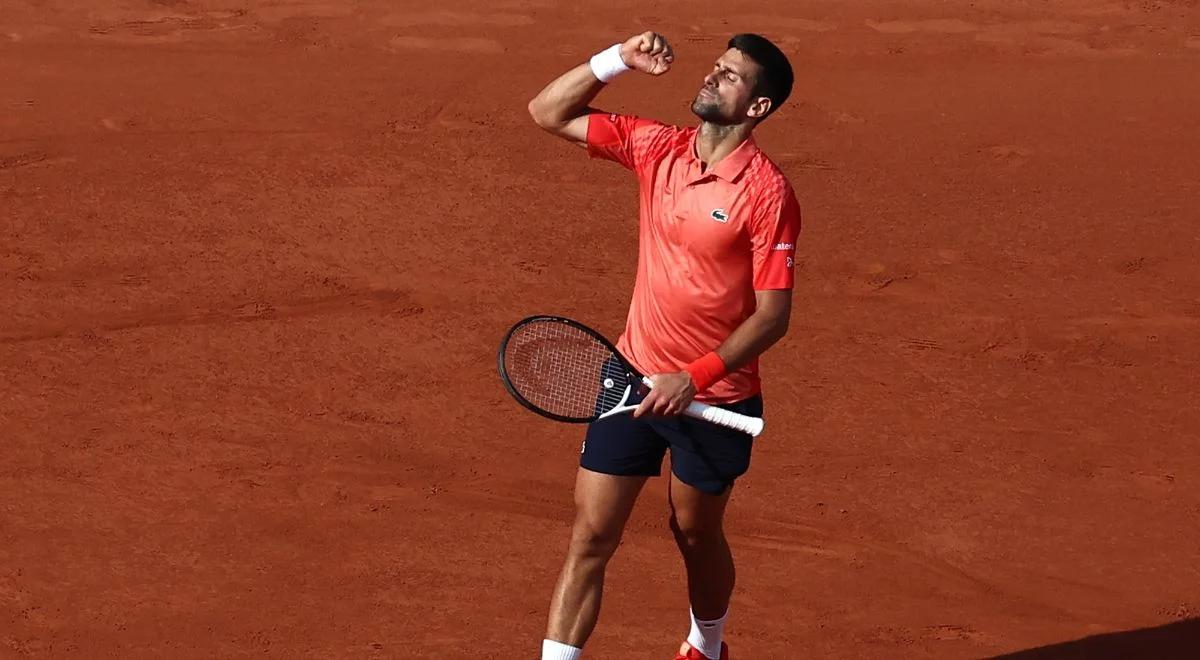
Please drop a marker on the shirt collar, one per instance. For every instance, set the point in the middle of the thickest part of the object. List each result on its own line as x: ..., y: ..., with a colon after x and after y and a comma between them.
x: 732, y: 165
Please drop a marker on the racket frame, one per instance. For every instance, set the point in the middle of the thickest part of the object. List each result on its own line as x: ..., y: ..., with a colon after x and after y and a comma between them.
x: 635, y: 376
x: 750, y: 425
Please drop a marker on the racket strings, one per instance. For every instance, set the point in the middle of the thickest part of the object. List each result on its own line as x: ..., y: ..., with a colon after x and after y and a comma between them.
x: 564, y: 370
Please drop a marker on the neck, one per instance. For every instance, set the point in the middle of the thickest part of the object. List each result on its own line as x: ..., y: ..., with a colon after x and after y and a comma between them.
x: 716, y: 141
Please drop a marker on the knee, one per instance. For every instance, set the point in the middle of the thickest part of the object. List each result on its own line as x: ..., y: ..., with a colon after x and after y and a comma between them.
x: 591, y: 543
x: 691, y: 532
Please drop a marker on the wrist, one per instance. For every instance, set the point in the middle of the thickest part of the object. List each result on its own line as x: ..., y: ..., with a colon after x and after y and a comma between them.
x: 706, y: 371
x: 608, y: 64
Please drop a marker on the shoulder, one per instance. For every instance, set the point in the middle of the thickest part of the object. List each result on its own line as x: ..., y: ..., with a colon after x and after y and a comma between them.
x: 766, y: 181
x: 657, y: 130
x: 649, y: 136
x: 633, y: 122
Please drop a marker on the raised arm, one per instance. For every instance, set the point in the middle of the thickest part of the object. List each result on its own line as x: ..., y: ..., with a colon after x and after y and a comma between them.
x: 563, y: 106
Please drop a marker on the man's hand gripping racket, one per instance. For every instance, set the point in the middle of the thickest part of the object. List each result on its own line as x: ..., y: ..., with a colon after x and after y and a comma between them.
x: 561, y: 369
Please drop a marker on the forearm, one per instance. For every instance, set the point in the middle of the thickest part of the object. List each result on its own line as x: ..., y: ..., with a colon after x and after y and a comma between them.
x: 673, y: 391
x: 765, y: 326
x: 565, y: 98
x: 561, y: 107
x: 752, y: 338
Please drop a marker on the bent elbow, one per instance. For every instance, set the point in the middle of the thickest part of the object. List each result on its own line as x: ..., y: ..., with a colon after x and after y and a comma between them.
x: 538, y: 114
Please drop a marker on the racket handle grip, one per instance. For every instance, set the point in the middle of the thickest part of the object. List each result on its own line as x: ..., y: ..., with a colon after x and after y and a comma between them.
x: 720, y: 416
x: 727, y: 418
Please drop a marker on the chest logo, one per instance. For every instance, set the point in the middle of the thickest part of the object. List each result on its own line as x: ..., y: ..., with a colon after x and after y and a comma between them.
x: 720, y: 215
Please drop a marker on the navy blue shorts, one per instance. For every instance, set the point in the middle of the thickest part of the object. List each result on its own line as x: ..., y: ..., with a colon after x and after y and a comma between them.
x: 704, y: 456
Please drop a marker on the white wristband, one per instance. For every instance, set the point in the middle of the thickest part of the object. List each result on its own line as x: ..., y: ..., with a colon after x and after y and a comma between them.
x: 607, y: 64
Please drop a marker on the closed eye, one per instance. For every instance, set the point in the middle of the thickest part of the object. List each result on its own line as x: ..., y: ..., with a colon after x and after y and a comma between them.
x: 729, y: 74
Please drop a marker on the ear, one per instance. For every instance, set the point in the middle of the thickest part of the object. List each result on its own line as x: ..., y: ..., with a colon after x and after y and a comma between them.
x: 759, y: 108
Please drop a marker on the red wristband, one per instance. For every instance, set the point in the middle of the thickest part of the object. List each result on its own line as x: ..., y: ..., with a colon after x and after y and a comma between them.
x: 705, y: 371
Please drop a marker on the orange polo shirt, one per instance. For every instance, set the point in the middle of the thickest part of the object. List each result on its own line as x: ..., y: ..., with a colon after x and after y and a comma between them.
x: 708, y: 239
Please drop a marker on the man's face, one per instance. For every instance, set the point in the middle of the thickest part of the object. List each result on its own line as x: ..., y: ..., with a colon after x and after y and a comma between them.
x: 727, y: 96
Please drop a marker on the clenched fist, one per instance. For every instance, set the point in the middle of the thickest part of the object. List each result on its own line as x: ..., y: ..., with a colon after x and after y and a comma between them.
x: 649, y: 53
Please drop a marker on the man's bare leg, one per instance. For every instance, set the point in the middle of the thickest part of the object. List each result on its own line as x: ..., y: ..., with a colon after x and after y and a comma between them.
x: 603, y: 503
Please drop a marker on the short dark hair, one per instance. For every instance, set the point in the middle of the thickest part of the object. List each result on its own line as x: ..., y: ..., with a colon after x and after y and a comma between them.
x: 775, y: 78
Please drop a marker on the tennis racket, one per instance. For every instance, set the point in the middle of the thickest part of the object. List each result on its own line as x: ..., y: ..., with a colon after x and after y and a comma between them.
x: 564, y: 370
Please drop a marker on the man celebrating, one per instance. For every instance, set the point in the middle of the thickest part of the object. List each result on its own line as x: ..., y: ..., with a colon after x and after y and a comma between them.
x: 718, y: 227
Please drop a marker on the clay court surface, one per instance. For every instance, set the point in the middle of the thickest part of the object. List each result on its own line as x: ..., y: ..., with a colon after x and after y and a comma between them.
x: 255, y: 259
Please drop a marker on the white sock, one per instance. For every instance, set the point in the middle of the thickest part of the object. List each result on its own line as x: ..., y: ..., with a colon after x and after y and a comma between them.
x: 706, y: 636
x: 552, y: 650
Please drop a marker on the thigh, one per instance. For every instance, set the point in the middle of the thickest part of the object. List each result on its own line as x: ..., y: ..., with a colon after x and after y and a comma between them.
x: 623, y: 445
x: 694, y: 511
x: 603, y: 503
x: 709, y: 457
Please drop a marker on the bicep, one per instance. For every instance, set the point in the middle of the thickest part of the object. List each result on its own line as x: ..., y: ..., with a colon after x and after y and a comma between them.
x: 575, y: 130
x: 774, y: 304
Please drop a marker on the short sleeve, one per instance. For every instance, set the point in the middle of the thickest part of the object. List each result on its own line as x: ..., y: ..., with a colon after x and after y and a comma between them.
x: 623, y: 139
x: 776, y: 228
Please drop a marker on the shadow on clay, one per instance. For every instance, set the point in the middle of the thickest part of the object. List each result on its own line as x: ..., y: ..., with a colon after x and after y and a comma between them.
x: 1174, y: 641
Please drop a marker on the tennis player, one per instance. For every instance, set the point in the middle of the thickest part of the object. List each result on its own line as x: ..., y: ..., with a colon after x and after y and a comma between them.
x: 718, y: 229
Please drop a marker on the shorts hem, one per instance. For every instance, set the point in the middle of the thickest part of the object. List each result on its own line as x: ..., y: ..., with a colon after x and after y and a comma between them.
x: 616, y: 473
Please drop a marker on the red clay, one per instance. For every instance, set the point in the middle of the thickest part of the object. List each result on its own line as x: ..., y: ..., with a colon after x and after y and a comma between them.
x: 255, y: 258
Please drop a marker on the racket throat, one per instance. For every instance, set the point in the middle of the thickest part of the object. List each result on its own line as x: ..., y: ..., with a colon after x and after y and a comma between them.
x: 622, y: 406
